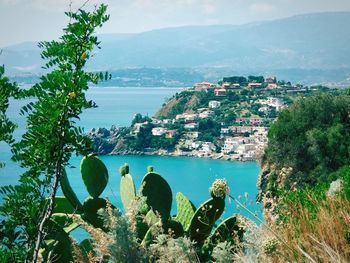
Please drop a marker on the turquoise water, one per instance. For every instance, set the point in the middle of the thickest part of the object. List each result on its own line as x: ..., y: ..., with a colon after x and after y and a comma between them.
x: 192, y: 176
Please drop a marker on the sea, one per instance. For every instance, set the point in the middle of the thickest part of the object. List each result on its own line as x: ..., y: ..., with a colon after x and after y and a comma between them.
x: 191, y: 176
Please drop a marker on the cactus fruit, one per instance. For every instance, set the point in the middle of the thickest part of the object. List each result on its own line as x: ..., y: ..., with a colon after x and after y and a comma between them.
x: 204, y: 219
x: 158, y: 193
x: 95, y: 175
x: 90, y: 207
x: 127, y: 187
x: 229, y: 230
x: 185, y: 210
x: 68, y: 192
x: 124, y: 169
x: 219, y: 189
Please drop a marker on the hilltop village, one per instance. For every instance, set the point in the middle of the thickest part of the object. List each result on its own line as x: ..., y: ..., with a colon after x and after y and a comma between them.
x: 228, y: 120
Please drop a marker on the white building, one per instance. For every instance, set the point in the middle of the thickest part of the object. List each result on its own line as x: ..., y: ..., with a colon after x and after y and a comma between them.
x: 214, y: 104
x: 206, y: 114
x: 191, y: 126
x: 158, y: 131
x: 187, y: 116
x: 207, y: 147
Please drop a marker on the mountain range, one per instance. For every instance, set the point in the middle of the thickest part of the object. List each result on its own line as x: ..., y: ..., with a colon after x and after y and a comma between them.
x: 315, y: 43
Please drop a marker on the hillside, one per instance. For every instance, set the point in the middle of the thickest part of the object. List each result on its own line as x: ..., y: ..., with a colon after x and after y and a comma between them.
x: 314, y: 43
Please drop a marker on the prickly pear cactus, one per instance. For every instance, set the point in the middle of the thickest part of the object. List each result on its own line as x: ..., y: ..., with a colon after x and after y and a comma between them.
x: 151, y: 218
x: 173, y: 228
x: 229, y: 230
x: 127, y: 187
x: 62, y: 205
x: 185, y: 210
x: 90, y: 207
x: 69, y: 193
x: 204, y: 219
x: 95, y: 175
x: 158, y: 193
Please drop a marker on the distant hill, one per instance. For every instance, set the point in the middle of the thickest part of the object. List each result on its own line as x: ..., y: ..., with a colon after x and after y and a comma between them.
x: 311, y: 43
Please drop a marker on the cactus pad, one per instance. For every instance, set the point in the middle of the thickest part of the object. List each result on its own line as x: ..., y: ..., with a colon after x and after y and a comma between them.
x: 68, y: 192
x: 151, y: 218
x: 90, y: 207
x: 204, y: 219
x: 158, y: 193
x: 173, y: 228
x: 95, y: 175
x: 229, y: 230
x: 62, y: 205
x: 185, y: 210
x: 127, y: 187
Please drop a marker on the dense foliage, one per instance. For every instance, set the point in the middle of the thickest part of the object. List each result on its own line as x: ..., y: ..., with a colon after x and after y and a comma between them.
x: 51, y: 136
x: 312, y: 137
x: 7, y: 90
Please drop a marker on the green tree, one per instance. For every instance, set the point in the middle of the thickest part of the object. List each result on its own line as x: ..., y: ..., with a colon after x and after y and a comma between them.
x: 7, y: 90
x: 312, y: 137
x: 52, y: 136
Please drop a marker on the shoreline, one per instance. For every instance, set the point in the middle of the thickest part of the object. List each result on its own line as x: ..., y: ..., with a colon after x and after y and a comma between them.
x: 216, y: 156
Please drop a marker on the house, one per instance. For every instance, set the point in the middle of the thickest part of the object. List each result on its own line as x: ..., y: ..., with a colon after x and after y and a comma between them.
x: 264, y: 109
x: 224, y: 131
x: 170, y: 134
x: 220, y: 92
x: 187, y: 116
x: 206, y: 114
x: 254, y: 85
x: 137, y: 127
x: 241, y: 129
x: 158, y: 131
x: 251, y: 121
x: 207, y: 147
x: 272, y: 86
x: 204, y: 86
x: 191, y: 126
x: 214, y: 104
x: 270, y: 80
x: 243, y: 149
x: 275, y: 102
x: 230, y: 145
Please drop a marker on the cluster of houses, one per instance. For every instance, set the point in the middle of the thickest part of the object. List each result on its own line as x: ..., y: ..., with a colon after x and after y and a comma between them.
x: 225, y: 88
x: 243, y: 141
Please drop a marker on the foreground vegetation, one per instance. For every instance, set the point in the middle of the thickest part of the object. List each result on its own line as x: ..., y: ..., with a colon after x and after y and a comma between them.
x: 308, y: 149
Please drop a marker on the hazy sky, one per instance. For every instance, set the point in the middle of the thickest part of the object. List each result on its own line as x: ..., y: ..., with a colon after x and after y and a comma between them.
x: 28, y: 20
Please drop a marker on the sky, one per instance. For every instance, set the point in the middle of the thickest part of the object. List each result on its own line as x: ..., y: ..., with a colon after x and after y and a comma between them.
x: 35, y: 20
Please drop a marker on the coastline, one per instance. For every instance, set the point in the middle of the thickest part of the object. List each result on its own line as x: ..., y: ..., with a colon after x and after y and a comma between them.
x: 212, y: 156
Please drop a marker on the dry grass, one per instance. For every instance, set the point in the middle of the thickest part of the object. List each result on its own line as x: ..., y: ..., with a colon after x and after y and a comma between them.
x: 323, y: 237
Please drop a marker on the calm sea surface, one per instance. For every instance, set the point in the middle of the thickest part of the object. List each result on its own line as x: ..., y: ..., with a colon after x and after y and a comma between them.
x: 192, y: 176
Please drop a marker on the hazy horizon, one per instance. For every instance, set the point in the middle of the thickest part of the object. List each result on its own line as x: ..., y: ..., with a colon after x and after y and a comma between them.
x: 43, y: 20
